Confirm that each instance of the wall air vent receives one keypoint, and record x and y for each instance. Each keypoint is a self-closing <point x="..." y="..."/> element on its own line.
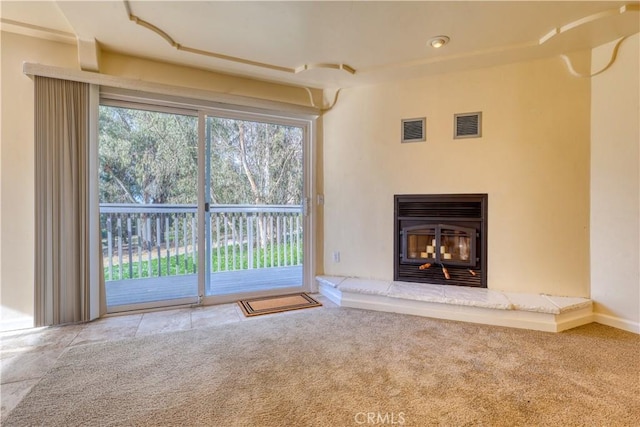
<point x="414" y="130"/>
<point x="468" y="125"/>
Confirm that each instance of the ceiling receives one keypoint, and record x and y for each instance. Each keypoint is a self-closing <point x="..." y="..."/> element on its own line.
<point x="325" y="44"/>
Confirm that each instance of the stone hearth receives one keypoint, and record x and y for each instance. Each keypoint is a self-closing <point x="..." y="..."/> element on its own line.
<point x="478" y="305"/>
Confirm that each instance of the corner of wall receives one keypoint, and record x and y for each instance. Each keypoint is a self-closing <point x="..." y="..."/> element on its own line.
<point x="615" y="187"/>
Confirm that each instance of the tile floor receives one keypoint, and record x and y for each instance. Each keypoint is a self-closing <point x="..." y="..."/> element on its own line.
<point x="26" y="355"/>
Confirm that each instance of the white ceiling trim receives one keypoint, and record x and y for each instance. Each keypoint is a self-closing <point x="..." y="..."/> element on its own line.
<point x="555" y="33"/>
<point x="589" y="19"/>
<point x="268" y="49"/>
<point x="37" y="31"/>
<point x="179" y="46"/>
<point x="614" y="55"/>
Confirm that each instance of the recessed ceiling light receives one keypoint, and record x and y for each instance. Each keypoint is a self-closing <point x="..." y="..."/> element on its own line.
<point x="438" y="41"/>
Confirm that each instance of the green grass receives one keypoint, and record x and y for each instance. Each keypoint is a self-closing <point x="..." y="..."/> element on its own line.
<point x="179" y="265"/>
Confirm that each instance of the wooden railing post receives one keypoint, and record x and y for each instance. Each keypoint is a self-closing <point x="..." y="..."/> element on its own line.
<point x="250" y="242"/>
<point x="119" y="232"/>
<point x="129" y="248"/>
<point x="110" y="247"/>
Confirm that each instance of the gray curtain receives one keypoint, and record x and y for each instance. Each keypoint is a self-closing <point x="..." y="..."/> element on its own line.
<point x="62" y="189"/>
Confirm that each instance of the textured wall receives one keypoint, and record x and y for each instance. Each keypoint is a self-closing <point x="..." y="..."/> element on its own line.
<point x="532" y="160"/>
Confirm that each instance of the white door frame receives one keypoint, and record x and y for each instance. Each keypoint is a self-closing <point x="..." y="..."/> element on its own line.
<point x="308" y="125"/>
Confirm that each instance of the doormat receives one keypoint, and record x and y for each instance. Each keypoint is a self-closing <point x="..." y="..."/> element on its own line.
<point x="276" y="304"/>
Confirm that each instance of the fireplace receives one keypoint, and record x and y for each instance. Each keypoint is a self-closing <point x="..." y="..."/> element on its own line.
<point x="441" y="239"/>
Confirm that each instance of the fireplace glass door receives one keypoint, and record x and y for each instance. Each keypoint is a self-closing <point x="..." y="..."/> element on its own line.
<point x="441" y="243"/>
<point x="420" y="244"/>
<point x="457" y="245"/>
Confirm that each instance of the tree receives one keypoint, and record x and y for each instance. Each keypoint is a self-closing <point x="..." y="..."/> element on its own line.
<point x="147" y="157"/>
<point x="255" y="163"/>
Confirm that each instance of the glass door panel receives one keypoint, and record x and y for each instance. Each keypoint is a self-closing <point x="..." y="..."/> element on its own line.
<point x="148" y="183"/>
<point x="419" y="244"/>
<point x="254" y="191"/>
<point x="457" y="245"/>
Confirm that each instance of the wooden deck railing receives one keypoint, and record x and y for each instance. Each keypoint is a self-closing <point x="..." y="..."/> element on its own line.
<point x="162" y="240"/>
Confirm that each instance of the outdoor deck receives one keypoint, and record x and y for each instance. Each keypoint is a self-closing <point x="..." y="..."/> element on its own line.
<point x="135" y="291"/>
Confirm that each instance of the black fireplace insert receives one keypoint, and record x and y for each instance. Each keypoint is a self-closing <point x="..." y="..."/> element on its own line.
<point x="441" y="239"/>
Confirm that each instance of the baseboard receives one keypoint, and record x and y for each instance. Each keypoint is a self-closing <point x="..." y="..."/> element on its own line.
<point x="617" y="322"/>
<point x="573" y="319"/>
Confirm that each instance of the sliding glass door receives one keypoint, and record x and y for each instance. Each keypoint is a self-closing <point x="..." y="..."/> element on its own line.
<point x="148" y="182"/>
<point x="200" y="207"/>
<point x="254" y="192"/>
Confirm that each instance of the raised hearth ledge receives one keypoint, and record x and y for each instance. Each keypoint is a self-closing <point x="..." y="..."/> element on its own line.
<point x="478" y="305"/>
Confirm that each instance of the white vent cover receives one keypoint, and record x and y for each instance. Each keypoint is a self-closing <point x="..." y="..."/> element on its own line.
<point x="414" y="130"/>
<point x="468" y="125"/>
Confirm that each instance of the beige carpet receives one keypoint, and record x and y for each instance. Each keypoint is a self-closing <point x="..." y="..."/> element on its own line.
<point x="340" y="367"/>
<point x="276" y="304"/>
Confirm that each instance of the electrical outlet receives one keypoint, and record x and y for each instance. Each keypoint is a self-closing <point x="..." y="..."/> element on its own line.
<point x="336" y="256"/>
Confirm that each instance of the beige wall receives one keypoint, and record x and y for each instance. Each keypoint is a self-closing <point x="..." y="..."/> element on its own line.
<point x="615" y="186"/>
<point x="533" y="161"/>
<point x="17" y="170"/>
<point x="17" y="167"/>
